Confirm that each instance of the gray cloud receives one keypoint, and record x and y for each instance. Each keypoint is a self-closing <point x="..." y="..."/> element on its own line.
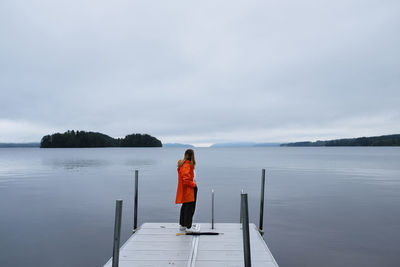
<point x="200" y="72"/>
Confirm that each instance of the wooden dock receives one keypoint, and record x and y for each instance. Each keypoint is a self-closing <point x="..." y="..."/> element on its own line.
<point x="156" y="244"/>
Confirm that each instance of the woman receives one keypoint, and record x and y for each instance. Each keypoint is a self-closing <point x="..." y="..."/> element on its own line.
<point x="187" y="190"/>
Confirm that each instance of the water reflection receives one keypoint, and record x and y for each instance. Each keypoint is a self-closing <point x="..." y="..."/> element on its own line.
<point x="140" y="162"/>
<point x="76" y="164"/>
<point x="11" y="169"/>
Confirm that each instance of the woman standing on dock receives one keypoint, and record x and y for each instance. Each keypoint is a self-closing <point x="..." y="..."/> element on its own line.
<point x="187" y="189"/>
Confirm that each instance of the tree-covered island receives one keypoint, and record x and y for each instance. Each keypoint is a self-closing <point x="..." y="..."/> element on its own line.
<point x="73" y="138"/>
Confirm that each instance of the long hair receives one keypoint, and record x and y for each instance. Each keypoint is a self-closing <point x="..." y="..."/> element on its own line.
<point x="189" y="155"/>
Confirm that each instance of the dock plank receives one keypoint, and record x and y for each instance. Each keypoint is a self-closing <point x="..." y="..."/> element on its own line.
<point x="156" y="244"/>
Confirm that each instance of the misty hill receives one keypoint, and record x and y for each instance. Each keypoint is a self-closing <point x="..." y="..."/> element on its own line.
<point x="384" y="140"/>
<point x="4" y="145"/>
<point x="93" y="139"/>
<point x="177" y="145"/>
<point x="244" y="144"/>
<point x="267" y="144"/>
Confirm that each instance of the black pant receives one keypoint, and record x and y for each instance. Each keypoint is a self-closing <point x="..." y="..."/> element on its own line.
<point x="187" y="211"/>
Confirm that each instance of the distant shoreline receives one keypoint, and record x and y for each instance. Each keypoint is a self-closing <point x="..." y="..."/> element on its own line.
<point x="383" y="140"/>
<point x="15" y="145"/>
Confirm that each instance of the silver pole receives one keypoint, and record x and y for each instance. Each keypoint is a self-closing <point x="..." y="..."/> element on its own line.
<point x="212" y="209"/>
<point x="245" y="229"/>
<point x="135" y="209"/>
<point x="262" y="202"/>
<point x="117" y="232"/>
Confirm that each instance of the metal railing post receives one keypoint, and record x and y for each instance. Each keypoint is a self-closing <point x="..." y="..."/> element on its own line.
<point x="135" y="209"/>
<point x="117" y="232"/>
<point x="241" y="193"/>
<point x="260" y="228"/>
<point x="212" y="209"/>
<point x="245" y="229"/>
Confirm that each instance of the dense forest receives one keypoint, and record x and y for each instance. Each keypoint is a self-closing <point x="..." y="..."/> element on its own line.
<point x="384" y="140"/>
<point x="93" y="139"/>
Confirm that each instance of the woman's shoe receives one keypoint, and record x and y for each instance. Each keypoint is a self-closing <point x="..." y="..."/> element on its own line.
<point x="182" y="228"/>
<point x="192" y="229"/>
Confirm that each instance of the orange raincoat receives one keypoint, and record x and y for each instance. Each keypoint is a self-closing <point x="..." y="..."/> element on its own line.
<point x="185" y="192"/>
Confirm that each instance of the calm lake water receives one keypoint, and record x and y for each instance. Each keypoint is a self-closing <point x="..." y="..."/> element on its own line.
<point x="324" y="206"/>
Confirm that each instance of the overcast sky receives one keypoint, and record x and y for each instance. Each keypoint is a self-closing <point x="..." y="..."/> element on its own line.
<point x="200" y="72"/>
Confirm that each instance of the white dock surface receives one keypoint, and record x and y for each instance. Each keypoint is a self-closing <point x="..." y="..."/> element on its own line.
<point x="156" y="244"/>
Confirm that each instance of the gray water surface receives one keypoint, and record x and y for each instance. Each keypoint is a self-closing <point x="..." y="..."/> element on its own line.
<point x="324" y="206"/>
